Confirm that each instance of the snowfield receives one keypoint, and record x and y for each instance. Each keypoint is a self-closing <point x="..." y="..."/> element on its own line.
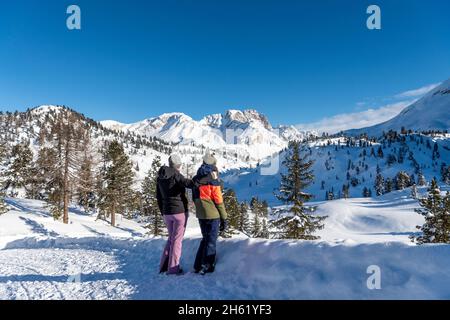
<point x="88" y="259"/>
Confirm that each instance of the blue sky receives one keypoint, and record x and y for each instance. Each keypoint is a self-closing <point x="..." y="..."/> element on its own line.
<point x="296" y="61"/>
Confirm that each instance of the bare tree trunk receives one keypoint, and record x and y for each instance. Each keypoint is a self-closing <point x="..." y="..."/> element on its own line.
<point x="113" y="215"/>
<point x="66" y="186"/>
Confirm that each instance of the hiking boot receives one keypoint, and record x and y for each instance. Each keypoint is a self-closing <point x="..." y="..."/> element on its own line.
<point x="178" y="273"/>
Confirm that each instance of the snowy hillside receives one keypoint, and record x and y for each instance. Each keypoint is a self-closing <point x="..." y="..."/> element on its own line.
<point x="44" y="259"/>
<point x="337" y="161"/>
<point x="429" y="113"/>
<point x="30" y="127"/>
<point x="247" y="133"/>
<point x="352" y="162"/>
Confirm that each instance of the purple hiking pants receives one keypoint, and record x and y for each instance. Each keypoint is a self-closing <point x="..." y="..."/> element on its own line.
<point x="176" y="225"/>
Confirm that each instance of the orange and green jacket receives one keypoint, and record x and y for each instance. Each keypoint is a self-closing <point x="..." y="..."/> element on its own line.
<point x="207" y="194"/>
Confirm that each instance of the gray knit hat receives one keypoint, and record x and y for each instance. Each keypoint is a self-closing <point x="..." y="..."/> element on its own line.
<point x="209" y="158"/>
<point x="175" y="161"/>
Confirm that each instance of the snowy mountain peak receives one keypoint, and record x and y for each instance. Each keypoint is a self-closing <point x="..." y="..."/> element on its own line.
<point x="428" y="113"/>
<point x="233" y="118"/>
<point x="289" y="133"/>
<point x="213" y="120"/>
<point x="112" y="124"/>
<point x="165" y="121"/>
<point x="46" y="108"/>
<point x="442" y="90"/>
<point x="171" y="116"/>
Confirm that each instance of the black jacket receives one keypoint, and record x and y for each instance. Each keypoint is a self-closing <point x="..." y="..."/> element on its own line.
<point x="171" y="191"/>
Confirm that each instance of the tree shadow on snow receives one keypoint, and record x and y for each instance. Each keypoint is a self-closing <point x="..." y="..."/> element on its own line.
<point x="78" y="211"/>
<point x="38" y="227"/>
<point x="96" y="232"/>
<point x="20" y="207"/>
<point x="387" y="204"/>
<point x="60" y="278"/>
<point x="131" y="231"/>
<point x="393" y="233"/>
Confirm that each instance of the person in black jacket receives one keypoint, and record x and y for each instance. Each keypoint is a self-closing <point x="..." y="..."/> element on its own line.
<point x="173" y="204"/>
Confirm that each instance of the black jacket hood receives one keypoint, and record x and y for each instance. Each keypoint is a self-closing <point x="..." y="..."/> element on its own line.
<point x="170" y="191"/>
<point x="166" y="172"/>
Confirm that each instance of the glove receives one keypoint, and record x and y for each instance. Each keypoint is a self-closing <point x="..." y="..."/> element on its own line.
<point x="223" y="225"/>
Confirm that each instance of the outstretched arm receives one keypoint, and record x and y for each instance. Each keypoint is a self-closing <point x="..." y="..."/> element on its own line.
<point x="181" y="180"/>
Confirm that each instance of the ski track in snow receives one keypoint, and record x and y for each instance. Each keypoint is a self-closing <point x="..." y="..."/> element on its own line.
<point x="39" y="257"/>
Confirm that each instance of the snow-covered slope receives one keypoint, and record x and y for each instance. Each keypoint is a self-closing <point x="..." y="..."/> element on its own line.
<point x="247" y="133"/>
<point x="432" y="112"/>
<point x="88" y="259"/>
<point x="390" y="217"/>
<point x="337" y="163"/>
<point x="26" y="127"/>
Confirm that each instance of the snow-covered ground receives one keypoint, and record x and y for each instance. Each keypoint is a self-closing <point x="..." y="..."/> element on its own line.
<point x="44" y="259"/>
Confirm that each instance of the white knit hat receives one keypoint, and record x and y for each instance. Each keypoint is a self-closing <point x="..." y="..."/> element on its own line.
<point x="209" y="158"/>
<point x="175" y="161"/>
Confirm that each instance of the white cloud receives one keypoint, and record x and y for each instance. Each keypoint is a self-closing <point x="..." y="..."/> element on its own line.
<point x="356" y="120"/>
<point x="417" y="92"/>
<point x="370" y="117"/>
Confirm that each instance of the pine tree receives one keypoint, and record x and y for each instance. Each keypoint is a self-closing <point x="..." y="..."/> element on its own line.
<point x="260" y="208"/>
<point x="264" y="209"/>
<point x="255" y="205"/>
<point x="379" y="184"/>
<point x="445" y="173"/>
<point x="391" y="159"/>
<point x="367" y="192"/>
<point x="378" y="169"/>
<point x="150" y="207"/>
<point x="118" y="177"/>
<point x="3" y="206"/>
<point x="233" y="210"/>
<point x="56" y="194"/>
<point x="299" y="224"/>
<point x="421" y="180"/>
<point x="256" y="226"/>
<point x="345" y="191"/>
<point x="402" y="180"/>
<point x="67" y="137"/>
<point x="330" y="195"/>
<point x="34" y="180"/>
<point x="19" y="168"/>
<point x="380" y="153"/>
<point x="46" y="172"/>
<point x="85" y="189"/>
<point x="436" y="211"/>
<point x="388" y="185"/>
<point x="244" y="222"/>
<point x="265" y="233"/>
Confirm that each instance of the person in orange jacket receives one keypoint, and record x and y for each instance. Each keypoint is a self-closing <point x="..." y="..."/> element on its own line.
<point x="210" y="211"/>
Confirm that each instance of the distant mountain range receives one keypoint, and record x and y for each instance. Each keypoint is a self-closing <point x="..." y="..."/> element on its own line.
<point x="252" y="131"/>
<point x="247" y="130"/>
